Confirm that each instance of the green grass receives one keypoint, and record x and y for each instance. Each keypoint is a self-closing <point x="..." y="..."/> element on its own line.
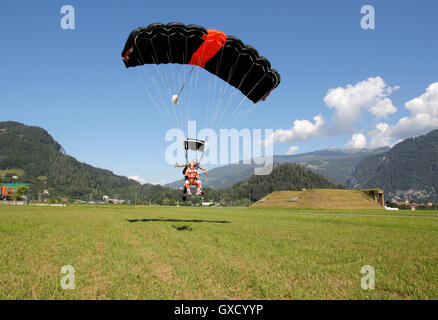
<point x="213" y="253"/>
<point x="3" y="173"/>
<point x="364" y="212"/>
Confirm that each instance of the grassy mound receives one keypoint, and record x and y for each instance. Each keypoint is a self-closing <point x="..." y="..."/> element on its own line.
<point x="318" y="199"/>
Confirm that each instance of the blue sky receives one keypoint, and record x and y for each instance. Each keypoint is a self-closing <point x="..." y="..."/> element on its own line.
<point x="376" y="85"/>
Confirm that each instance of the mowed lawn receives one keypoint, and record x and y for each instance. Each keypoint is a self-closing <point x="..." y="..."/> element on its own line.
<point x="213" y="253"/>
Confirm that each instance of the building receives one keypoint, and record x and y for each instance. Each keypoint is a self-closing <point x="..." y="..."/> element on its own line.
<point x="377" y="195"/>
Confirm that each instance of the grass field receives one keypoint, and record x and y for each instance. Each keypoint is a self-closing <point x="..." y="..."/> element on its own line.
<point x="214" y="253"/>
<point x="3" y="173"/>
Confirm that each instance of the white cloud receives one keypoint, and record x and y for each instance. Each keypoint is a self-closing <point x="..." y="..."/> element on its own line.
<point x="423" y="118"/>
<point x="358" y="141"/>
<point x="381" y="136"/>
<point x="382" y="108"/>
<point x="138" y="179"/>
<point x="371" y="95"/>
<point x="292" y="150"/>
<point x="424" y="114"/>
<point x="426" y="103"/>
<point x="300" y="131"/>
<point x="349" y="103"/>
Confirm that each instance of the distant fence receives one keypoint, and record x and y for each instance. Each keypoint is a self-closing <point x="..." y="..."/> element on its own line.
<point x="14" y="203"/>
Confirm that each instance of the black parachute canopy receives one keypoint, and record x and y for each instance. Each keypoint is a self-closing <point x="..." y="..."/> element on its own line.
<point x="224" y="56"/>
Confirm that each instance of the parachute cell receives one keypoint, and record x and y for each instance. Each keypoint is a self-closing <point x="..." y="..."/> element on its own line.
<point x="224" y="56"/>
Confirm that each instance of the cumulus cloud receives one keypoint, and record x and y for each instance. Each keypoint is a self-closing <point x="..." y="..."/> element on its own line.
<point x="292" y="150"/>
<point x="358" y="141"/>
<point x="380" y="136"/>
<point x="423" y="118"/>
<point x="138" y="179"/>
<point x="424" y="114"/>
<point x="372" y="96"/>
<point x="382" y="108"/>
<point x="349" y="103"/>
<point x="300" y="131"/>
<point x="426" y="103"/>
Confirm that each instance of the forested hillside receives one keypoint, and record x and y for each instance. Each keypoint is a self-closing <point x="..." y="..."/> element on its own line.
<point x="408" y="170"/>
<point x="32" y="154"/>
<point x="286" y="176"/>
<point x="36" y="158"/>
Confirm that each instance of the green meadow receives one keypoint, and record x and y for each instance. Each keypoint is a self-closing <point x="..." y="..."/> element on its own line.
<point x="135" y="252"/>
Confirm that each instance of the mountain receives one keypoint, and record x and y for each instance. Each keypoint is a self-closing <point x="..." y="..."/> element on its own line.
<point x="335" y="164"/>
<point x="32" y="154"/>
<point x="408" y="170"/>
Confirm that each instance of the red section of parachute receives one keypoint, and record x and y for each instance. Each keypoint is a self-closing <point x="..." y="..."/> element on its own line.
<point x="127" y="53"/>
<point x="213" y="42"/>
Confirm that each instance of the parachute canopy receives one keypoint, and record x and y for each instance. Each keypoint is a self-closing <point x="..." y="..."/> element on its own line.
<point x="224" y="56"/>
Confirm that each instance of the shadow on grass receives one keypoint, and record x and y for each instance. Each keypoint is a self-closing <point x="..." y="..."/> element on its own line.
<point x="177" y="220"/>
<point x="182" y="228"/>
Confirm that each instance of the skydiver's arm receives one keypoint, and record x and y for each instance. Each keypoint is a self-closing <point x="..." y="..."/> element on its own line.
<point x="179" y="165"/>
<point x="203" y="169"/>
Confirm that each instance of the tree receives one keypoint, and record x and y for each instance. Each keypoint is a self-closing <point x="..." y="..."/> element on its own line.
<point x="19" y="192"/>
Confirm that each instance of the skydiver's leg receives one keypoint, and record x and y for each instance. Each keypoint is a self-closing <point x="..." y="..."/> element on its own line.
<point x="184" y="196"/>
<point x="199" y="186"/>
<point x="187" y="183"/>
<point x="185" y="188"/>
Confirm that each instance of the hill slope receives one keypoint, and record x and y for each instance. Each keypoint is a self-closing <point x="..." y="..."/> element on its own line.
<point x="40" y="160"/>
<point x="409" y="169"/>
<point x="317" y="199"/>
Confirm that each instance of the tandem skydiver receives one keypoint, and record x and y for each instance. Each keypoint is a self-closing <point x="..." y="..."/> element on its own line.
<point x="191" y="177"/>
